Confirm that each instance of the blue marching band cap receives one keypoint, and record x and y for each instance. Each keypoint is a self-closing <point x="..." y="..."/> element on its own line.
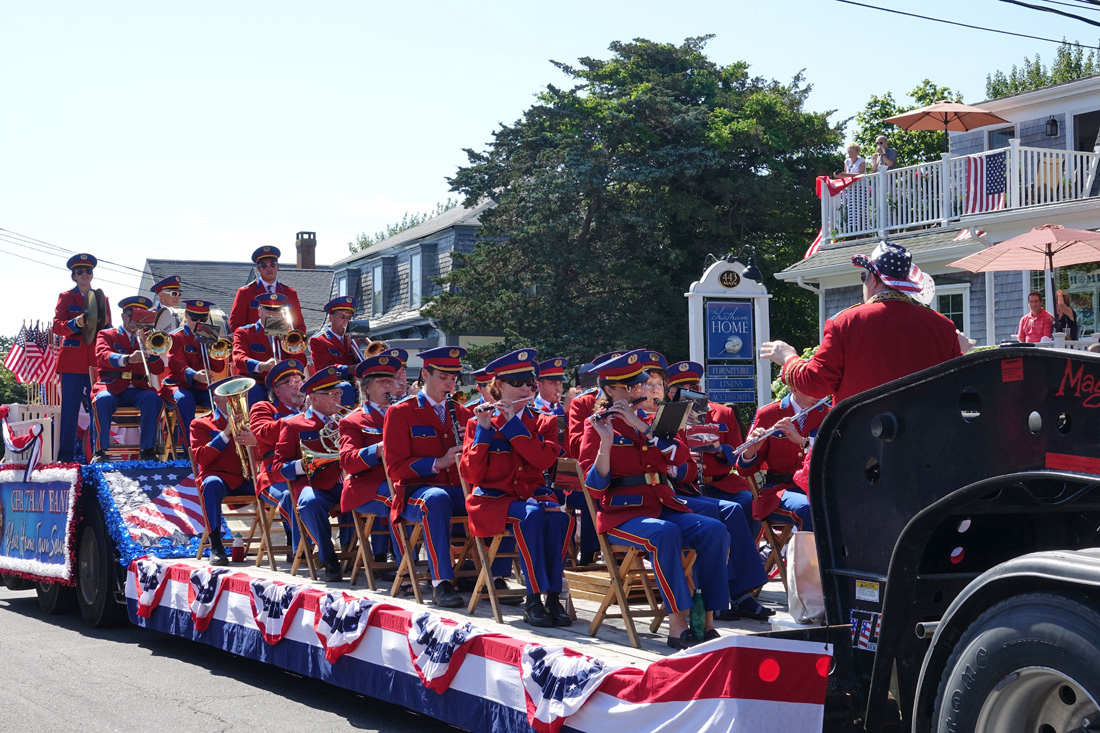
<point x="285" y="368"/>
<point x="198" y="307"/>
<point x="81" y="260"/>
<point x="135" y="301"/>
<point x="344" y="302"/>
<point x="271" y="300"/>
<point x="444" y="358"/>
<point x="399" y="354"/>
<point x="684" y="372"/>
<point x="265" y="253"/>
<point x="328" y="378"/>
<point x="169" y="283"/>
<point x="654" y="360"/>
<point x="381" y="365"/>
<point x="625" y="369"/>
<point x="553" y="369"/>
<point x="519" y="364"/>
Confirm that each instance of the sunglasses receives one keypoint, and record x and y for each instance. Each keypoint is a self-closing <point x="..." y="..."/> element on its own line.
<point x="266" y="265"/>
<point x="519" y="382"/>
<point x="82" y="271"/>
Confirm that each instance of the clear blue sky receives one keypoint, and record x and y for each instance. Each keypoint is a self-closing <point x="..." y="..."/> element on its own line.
<point x="201" y="131"/>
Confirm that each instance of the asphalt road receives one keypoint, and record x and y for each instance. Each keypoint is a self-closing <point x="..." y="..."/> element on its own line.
<point x="57" y="674"/>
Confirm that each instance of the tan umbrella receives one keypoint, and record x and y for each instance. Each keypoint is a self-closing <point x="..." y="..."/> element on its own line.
<point x="944" y="115"/>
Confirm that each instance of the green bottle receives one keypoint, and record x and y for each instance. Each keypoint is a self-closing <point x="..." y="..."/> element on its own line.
<point x="698" y="615"/>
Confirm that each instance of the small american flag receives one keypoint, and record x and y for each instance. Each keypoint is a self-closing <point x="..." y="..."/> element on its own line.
<point x="47" y="365"/>
<point x="815" y="245"/>
<point x="16" y="361"/>
<point x="985" y="183"/>
<point x="157" y="503"/>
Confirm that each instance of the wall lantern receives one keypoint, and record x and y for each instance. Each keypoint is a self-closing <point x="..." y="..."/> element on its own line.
<point x="1052" y="127"/>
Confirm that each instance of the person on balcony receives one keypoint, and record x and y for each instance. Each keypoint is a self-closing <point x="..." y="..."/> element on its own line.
<point x="1037" y="324"/>
<point x="855" y="164"/>
<point x="885" y="157"/>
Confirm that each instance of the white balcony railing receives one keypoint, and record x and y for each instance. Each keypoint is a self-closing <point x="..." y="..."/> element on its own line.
<point x="955" y="188"/>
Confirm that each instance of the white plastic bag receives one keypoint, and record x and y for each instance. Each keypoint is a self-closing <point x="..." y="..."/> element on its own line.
<point x="807" y="602"/>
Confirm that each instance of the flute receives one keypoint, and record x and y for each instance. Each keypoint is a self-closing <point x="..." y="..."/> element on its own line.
<point x="774" y="429"/>
<point x="492" y="406"/>
<point x="601" y="414"/>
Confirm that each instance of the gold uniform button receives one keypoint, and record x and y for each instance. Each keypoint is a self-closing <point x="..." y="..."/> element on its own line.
<point x="645" y="447"/>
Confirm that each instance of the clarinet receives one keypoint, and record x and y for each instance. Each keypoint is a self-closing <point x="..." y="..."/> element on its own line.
<point x="391" y="399"/>
<point x="454" y="419"/>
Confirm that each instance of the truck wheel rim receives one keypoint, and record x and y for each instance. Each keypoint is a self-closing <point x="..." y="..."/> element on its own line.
<point x="1037" y="699"/>
<point x="88" y="568"/>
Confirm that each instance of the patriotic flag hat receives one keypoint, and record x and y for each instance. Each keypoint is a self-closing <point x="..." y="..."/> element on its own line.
<point x="265" y="253"/>
<point x="325" y="379"/>
<point x="653" y="360"/>
<point x="377" y="366"/>
<point x="553" y="369"/>
<point x="400" y="354"/>
<point x="271" y="300"/>
<point x="444" y="358"/>
<point x="168" y="283"/>
<point x="197" y="307"/>
<point x="282" y="370"/>
<point x="482" y="377"/>
<point x="135" y="301"/>
<point x="81" y="260"/>
<point x="684" y="372"/>
<point x="625" y="369"/>
<point x="894" y="266"/>
<point x="344" y="302"/>
<point x="519" y="364"/>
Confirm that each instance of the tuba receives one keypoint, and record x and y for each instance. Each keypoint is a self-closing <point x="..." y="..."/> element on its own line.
<point x="235" y="391"/>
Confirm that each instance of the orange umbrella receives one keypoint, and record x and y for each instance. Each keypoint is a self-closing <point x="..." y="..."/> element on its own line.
<point x="944" y="115"/>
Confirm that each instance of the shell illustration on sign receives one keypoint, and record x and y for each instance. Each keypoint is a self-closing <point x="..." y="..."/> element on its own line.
<point x="734" y="344"/>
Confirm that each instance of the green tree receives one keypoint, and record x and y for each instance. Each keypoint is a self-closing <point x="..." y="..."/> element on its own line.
<point x="612" y="193"/>
<point x="913" y="146"/>
<point x="1070" y="62"/>
<point x="408" y="221"/>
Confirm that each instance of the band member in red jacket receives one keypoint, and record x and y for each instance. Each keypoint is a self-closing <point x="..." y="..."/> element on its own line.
<point x="365" y="488"/>
<point x="508" y="448"/>
<point x="400" y="378"/>
<point x="244" y="311"/>
<point x="254" y="353"/>
<point x="551" y="380"/>
<point x="887" y="337"/>
<point x="76" y="359"/>
<point x="782" y="455"/>
<point x="317" y="483"/>
<point x="626" y="470"/>
<point x="285" y="399"/>
<point x="123" y="381"/>
<point x="482" y="380"/>
<point x="332" y="347"/>
<point x="214" y="451"/>
<point x="422" y="440"/>
<point x="190" y="381"/>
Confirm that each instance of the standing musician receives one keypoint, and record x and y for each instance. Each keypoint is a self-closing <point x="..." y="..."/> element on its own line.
<point x="625" y="469"/>
<point x="285" y="399"/>
<point x="185" y="362"/>
<point x="253" y="352"/>
<point x="317" y="486"/>
<point x="167" y="294"/>
<point x="365" y="488"/>
<point x="422" y="440"/>
<point x="551" y="375"/>
<point x="333" y="348"/>
<point x="123" y="381"/>
<point x="781" y="455"/>
<point x="77" y="358"/>
<point x="509" y="446"/>
<point x="245" y="302"/>
<point x="218" y="463"/>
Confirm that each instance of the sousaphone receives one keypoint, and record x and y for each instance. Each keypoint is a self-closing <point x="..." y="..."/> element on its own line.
<point x="95" y="315"/>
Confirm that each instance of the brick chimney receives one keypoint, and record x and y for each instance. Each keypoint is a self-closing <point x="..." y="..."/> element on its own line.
<point x="306" y="245"/>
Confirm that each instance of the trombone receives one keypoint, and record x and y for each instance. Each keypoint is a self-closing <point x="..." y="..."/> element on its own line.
<point x="157" y="343"/>
<point x="235" y="392"/>
<point x="211" y="346"/>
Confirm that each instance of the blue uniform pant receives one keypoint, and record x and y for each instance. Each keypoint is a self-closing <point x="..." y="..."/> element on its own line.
<point x="380" y="543"/>
<point x="147" y="401"/>
<point x="665" y="538"/>
<point x="541" y="533"/>
<point x="743" y="498"/>
<point x="280" y="495"/>
<point x="214" y="489"/>
<point x="794" y="508"/>
<point x="75" y="391"/>
<point x="314" y="506"/>
<point x="744" y="570"/>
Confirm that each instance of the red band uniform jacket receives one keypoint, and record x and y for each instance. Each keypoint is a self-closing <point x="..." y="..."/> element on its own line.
<point x="245" y="310"/>
<point x="75" y="357"/>
<point x="360" y="443"/>
<point x="506" y="463"/>
<point x="581" y="408"/>
<point x="327" y="349"/>
<point x="414" y="437"/>
<point x="185" y="359"/>
<point x="214" y="451"/>
<point x="264" y="421"/>
<point x="112" y="347"/>
<point x="251" y="345"/>
<point x="304" y="428"/>
<point x="719" y="467"/>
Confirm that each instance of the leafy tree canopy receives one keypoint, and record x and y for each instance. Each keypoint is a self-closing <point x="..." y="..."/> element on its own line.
<point x="408" y="221"/>
<point x="913" y="146"/>
<point x="611" y="193"/>
<point x="1070" y="62"/>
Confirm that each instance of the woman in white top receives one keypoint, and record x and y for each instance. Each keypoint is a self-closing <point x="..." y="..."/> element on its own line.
<point x="855" y="164"/>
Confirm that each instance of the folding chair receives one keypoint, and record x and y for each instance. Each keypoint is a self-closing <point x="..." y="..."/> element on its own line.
<point x="130" y="417"/>
<point x="367" y="526"/>
<point x="485" y="559"/>
<point x="244" y="509"/>
<point x="345" y="555"/>
<point x="268" y="515"/>
<point x="775" y="541"/>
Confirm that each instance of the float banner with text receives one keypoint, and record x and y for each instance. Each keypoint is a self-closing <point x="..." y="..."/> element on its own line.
<point x="36" y="517"/>
<point x="729" y="330"/>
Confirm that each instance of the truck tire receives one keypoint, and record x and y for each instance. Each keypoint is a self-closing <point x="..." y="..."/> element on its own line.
<point x="95" y="575"/>
<point x="55" y="598"/>
<point x="1027" y="663"/>
<point x="14" y="582"/>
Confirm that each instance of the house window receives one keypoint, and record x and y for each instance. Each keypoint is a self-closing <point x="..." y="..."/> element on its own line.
<point x="376" y="290"/>
<point x="342" y="284"/>
<point x="415" y="280"/>
<point x="953" y="301"/>
<point x="999" y="138"/>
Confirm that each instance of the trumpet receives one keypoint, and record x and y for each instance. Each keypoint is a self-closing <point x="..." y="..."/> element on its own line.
<point x="236" y="393"/>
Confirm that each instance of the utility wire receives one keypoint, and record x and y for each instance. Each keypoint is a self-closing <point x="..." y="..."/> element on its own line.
<point x="1042" y="9"/>
<point x="1077" y="5"/>
<point x="965" y="25"/>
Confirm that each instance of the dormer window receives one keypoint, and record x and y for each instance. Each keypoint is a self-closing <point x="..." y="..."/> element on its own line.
<point x="376" y="290"/>
<point x="415" y="280"/>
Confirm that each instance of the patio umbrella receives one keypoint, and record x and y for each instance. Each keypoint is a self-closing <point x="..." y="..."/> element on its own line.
<point x="944" y="115"/>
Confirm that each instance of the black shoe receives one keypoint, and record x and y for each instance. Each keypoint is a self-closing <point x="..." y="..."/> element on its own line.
<point x="685" y="640"/>
<point x="218" y="556"/>
<point x="100" y="456"/>
<point x="587" y="558"/>
<point x="289" y="558"/>
<point x="557" y="612"/>
<point x="712" y="635"/>
<point x="502" y="585"/>
<point x="380" y="557"/>
<point x="332" y="571"/>
<point x="465" y="584"/>
<point x="727" y="614"/>
<point x="444" y="595"/>
<point x="749" y="608"/>
<point x="148" y="454"/>
<point x="536" y="614"/>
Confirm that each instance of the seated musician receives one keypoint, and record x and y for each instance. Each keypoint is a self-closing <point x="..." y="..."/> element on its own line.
<point x="365" y="488"/>
<point x="123" y="381"/>
<point x="77" y="359"/>
<point x="316" y="481"/>
<point x="551" y="380"/>
<point x="246" y="301"/>
<point x="254" y="350"/>
<point x="626" y="471"/>
<point x="482" y="380"/>
<point x="508" y="447"/>
<point x="185" y="362"/>
<point x="421" y="439"/>
<point x="220" y="468"/>
<point x="332" y="347"/>
<point x="400" y="378"/>
<point x="285" y="398"/>
<point x="167" y="294"/>
<point x="781" y="455"/>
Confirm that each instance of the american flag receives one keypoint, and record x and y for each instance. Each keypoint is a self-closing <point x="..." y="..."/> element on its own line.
<point x="985" y="182"/>
<point x="47" y="347"/>
<point x="16" y="361"/>
<point x="815" y="245"/>
<point x="157" y="503"/>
